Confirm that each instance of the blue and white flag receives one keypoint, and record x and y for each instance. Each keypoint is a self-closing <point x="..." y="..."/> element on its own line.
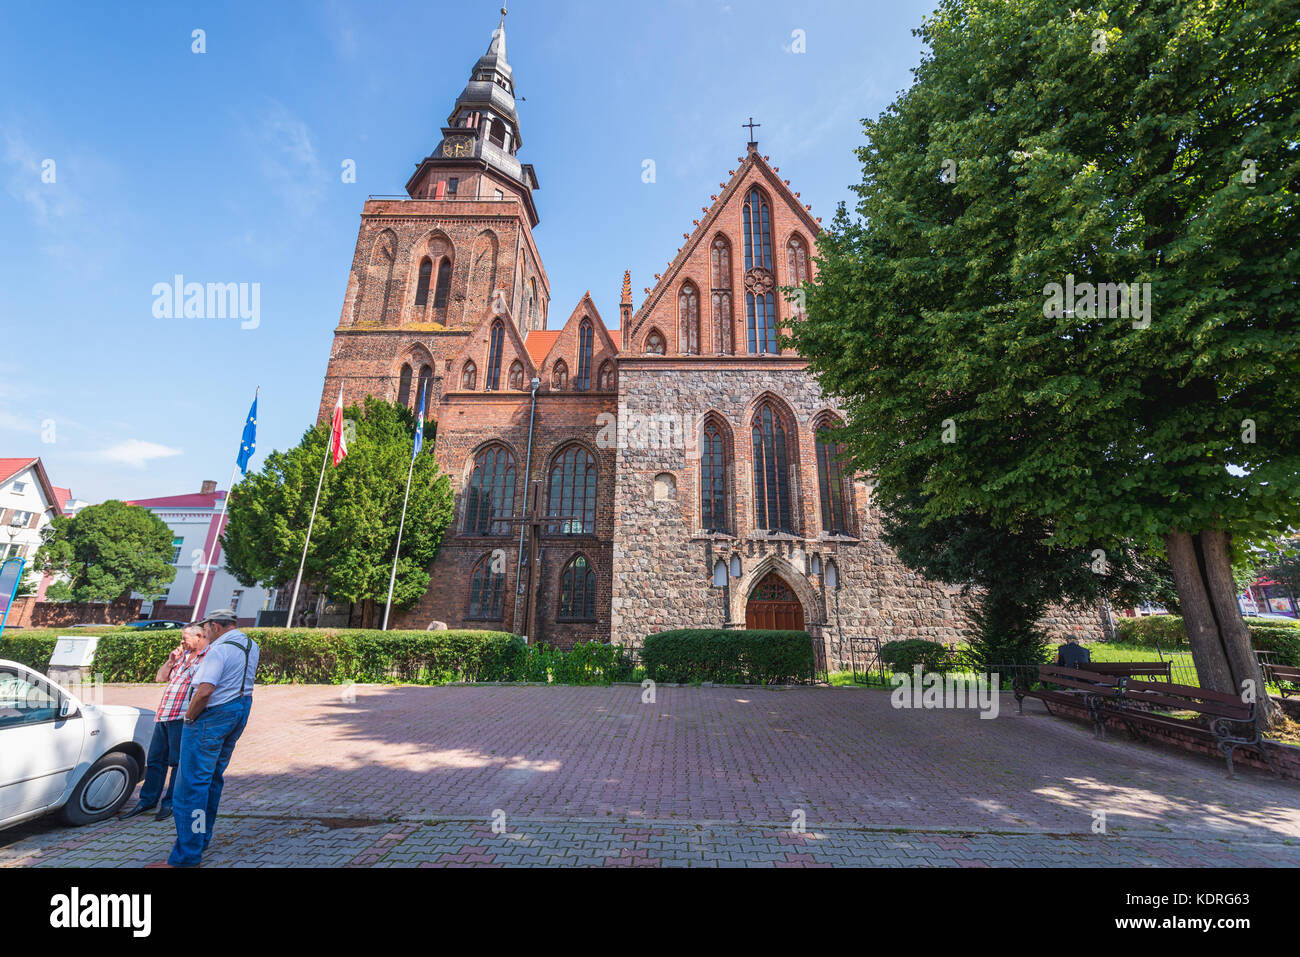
<point x="419" y="428"/>
<point x="248" y="444"/>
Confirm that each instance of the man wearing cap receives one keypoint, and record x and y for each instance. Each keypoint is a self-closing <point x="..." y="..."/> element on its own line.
<point x="221" y="696"/>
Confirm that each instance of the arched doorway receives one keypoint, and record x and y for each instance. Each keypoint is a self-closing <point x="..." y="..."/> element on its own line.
<point x="773" y="605"/>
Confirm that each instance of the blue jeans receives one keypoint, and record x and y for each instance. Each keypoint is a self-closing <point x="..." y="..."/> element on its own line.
<point x="206" y="747"/>
<point x="164" y="752"/>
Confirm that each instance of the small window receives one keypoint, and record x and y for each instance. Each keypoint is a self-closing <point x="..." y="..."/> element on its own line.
<point x="560" y="376"/>
<point x="452" y="185"/>
<point x="422" y="287"/>
<point x="20" y="487"/>
<point x="176" y="550"/>
<point x="444" y="284"/>
<point x="654" y="343"/>
<point x="235" y="597"/>
<point x="577" y="591"/>
<point x="517" y="376"/>
<point x="21" y="518"/>
<point x="469" y="377"/>
<point x="500" y="195"/>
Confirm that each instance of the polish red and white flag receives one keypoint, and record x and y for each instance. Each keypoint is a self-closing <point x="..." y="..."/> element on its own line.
<point x="338" y="444"/>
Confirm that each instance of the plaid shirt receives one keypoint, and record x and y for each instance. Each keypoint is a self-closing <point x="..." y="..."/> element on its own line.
<point x="172" y="707"/>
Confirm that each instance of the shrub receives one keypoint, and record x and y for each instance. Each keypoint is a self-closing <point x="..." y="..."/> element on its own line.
<point x="332" y="656"/>
<point x="728" y="656"/>
<point x="588" y="663"/>
<point x="904" y="655"/>
<point x="1269" y="634"/>
<point x="1167" y="631"/>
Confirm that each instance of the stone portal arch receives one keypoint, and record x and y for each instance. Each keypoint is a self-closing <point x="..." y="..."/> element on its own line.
<point x="742" y="591"/>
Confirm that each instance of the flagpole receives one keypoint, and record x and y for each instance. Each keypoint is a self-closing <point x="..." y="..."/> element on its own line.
<point x="200" y="606"/>
<point x="293" y="602"/>
<point x="392" y="579"/>
<point x="200" y="603"/>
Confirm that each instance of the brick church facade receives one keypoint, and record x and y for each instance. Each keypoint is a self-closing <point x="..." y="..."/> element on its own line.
<point x="682" y="458"/>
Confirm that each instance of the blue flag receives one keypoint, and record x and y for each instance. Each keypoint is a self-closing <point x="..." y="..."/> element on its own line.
<point x="248" y="444"/>
<point x="419" y="428"/>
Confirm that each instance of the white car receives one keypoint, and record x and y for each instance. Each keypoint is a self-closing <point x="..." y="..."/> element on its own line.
<point x="58" y="753"/>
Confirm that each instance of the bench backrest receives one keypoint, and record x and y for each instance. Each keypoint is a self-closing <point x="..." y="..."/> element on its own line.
<point x="1076" y="678"/>
<point x="1161" y="668"/>
<point x="1283" y="671"/>
<point x="1217" y="704"/>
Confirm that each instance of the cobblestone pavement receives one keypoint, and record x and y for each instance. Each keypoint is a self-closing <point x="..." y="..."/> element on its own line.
<point x="407" y="776"/>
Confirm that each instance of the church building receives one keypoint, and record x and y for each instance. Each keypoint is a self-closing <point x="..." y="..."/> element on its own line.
<point x="673" y="472"/>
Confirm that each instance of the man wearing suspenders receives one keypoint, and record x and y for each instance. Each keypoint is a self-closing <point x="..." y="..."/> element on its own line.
<point x="221" y="696"/>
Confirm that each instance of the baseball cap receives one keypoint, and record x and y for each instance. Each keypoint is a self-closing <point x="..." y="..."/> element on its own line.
<point x="224" y="615"/>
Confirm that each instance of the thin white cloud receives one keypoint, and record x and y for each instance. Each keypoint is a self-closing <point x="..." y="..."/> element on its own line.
<point x="289" y="160"/>
<point x="47" y="203"/>
<point x="135" y="453"/>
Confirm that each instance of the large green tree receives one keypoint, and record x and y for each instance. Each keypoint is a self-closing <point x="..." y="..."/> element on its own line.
<point x="351" y="552"/>
<point x="106" y="552"/>
<point x="1043" y="146"/>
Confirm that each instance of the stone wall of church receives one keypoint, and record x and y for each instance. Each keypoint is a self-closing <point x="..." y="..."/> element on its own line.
<point x="663" y="562"/>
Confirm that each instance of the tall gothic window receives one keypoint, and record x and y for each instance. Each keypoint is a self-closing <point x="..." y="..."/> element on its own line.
<point x="688" y="315"/>
<point x="760" y="299"/>
<point x="654" y="343"/>
<point x="713" y="480"/>
<point x="469" y="376"/>
<point x="573" y="492"/>
<point x="426" y="380"/>
<point x="758" y="231"/>
<point x="487" y="588"/>
<point x="422" y="287"/>
<point x="516" y="380"/>
<point x="404" y="386"/>
<point x="577" y="591"/>
<point x="830" y="480"/>
<point x="606" y="381"/>
<point x="559" y="376"/>
<point x="444" y="284"/>
<point x="583" y="382"/>
<point x="493" y="381"/>
<point x="533" y="304"/>
<point x="491" y="492"/>
<point x="771" y="472"/>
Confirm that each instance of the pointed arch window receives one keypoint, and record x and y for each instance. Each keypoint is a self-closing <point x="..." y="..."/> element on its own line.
<point x="606" y="381"/>
<point x="573" y="492"/>
<point x="830" y="480"/>
<point x="469" y="376"/>
<point x="490" y="495"/>
<point x="797" y="256"/>
<point x="426" y="380"/>
<point x="654" y="343"/>
<point x="493" y="381"/>
<point x="583" y="382"/>
<point x="422" y="287"/>
<point x="559" y="376"/>
<point x="688" y="315"/>
<point x="487" y="588"/>
<point x="516" y="380"/>
<point x="720" y="261"/>
<point x="533" y="302"/>
<point x="443" y="289"/>
<point x="771" y="472"/>
<point x="758" y="231"/>
<point x="577" y="591"/>
<point x="404" y="386"/>
<point x="713" y="480"/>
<point x="720" y="298"/>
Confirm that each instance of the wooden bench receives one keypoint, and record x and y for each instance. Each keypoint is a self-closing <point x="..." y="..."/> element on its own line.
<point x="1075" y="687"/>
<point x="1234" y="723"/>
<point x="1131" y="669"/>
<point x="1284" y="673"/>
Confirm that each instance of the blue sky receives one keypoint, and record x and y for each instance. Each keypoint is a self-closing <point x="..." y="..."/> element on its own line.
<point x="225" y="167"/>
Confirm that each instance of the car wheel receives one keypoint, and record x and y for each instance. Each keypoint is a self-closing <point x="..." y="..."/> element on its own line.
<point x="102" y="790"/>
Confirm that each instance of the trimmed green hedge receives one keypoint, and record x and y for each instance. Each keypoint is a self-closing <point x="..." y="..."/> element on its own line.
<point x="1269" y="634"/>
<point x="902" y="656"/>
<point x="728" y="656"/>
<point x="332" y="656"/>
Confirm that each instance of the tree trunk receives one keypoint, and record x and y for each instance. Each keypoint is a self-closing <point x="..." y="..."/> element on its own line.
<point x="368" y="613"/>
<point x="1216" y="632"/>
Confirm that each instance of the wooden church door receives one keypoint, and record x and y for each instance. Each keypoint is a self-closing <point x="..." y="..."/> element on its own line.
<point x="773" y="606"/>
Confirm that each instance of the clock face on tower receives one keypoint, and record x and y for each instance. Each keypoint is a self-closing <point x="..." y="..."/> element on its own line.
<point x="458" y="146"/>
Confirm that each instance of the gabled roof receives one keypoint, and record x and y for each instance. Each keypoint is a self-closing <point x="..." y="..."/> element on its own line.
<point x="539" y="343"/>
<point x="189" y="500"/>
<point x="500" y="310"/>
<point x="63" y="495"/>
<point x="707" y="226"/>
<point x="11" y="467"/>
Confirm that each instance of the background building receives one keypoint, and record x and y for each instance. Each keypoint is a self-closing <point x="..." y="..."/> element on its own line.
<point x="193" y="519"/>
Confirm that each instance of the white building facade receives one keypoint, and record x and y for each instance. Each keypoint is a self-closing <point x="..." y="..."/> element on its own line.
<point x="196" y="523"/>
